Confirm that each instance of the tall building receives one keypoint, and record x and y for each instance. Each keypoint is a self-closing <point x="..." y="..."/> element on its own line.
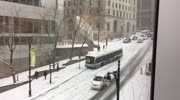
<point x="25" y="20"/>
<point x="145" y="14"/>
<point x="120" y="19"/>
<point x="115" y="18"/>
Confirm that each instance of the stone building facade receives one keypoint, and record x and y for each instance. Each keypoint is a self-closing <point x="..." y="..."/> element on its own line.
<point x="116" y="18"/>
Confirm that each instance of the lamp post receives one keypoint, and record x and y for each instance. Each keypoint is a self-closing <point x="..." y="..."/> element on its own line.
<point x="30" y="68"/>
<point x="32" y="61"/>
<point x="116" y="74"/>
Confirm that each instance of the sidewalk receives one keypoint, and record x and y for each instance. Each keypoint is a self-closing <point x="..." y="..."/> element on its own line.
<point x="23" y="76"/>
<point x="15" y="85"/>
<point x="40" y="85"/>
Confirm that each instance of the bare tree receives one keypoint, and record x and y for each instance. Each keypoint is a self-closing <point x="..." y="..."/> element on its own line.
<point x="54" y="29"/>
<point x="78" y="10"/>
<point x="87" y="32"/>
<point x="11" y="38"/>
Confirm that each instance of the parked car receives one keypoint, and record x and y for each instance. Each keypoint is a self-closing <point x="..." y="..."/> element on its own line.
<point x="127" y="40"/>
<point x="140" y="41"/>
<point x="143" y="35"/>
<point x="134" y="38"/>
<point x="100" y="80"/>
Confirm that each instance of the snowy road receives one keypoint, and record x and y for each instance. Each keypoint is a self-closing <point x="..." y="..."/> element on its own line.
<point x="79" y="87"/>
<point x="128" y="73"/>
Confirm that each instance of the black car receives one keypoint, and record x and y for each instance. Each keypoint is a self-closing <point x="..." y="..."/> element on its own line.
<point x="140" y="41"/>
<point x="134" y="38"/>
<point x="127" y="40"/>
<point x="143" y="35"/>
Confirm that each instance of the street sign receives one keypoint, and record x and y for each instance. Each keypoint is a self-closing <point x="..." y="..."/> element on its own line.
<point x="33" y="58"/>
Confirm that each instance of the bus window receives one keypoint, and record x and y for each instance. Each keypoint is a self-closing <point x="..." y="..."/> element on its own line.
<point x="89" y="60"/>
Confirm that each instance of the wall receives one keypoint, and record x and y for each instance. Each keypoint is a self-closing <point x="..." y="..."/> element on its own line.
<point x="167" y="81"/>
<point x="65" y="52"/>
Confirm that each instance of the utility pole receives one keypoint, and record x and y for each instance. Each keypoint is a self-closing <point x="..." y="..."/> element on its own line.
<point x="116" y="74"/>
<point x="118" y="79"/>
<point x="98" y="36"/>
<point x="30" y="94"/>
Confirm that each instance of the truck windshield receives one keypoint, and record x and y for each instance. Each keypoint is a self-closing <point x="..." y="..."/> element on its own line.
<point x="89" y="60"/>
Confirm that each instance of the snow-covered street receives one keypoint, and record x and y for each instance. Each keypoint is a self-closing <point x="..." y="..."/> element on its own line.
<point x="73" y="83"/>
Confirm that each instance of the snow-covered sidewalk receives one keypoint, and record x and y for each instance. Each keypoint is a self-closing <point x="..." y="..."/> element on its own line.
<point x="138" y="88"/>
<point x="23" y="76"/>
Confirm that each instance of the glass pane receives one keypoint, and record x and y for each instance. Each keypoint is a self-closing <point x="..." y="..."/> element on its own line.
<point x="78" y="45"/>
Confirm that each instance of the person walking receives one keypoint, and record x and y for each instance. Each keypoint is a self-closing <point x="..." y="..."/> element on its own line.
<point x="58" y="67"/>
<point x="36" y="74"/>
<point x="45" y="74"/>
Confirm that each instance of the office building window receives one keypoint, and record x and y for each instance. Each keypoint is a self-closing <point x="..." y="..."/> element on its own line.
<point x="30" y="2"/>
<point x="16" y="1"/>
<point x="7" y="24"/>
<point x="108" y="26"/>
<point x="69" y="3"/>
<point x="113" y="5"/>
<point x="22" y="25"/>
<point x="109" y="13"/>
<point x="119" y="6"/>
<point x="23" y="1"/>
<point x="2" y="23"/>
<point x="16" y="25"/>
<point x="64" y="3"/>
<point x="2" y="41"/>
<point x="29" y="25"/>
<point x="37" y="26"/>
<point x="37" y="2"/>
<point x="82" y="2"/>
<point x="109" y="3"/>
<point x="90" y="2"/>
<point x="115" y="25"/>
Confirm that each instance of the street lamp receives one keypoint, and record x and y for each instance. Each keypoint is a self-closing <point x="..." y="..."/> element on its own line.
<point x="116" y="75"/>
<point x="30" y="67"/>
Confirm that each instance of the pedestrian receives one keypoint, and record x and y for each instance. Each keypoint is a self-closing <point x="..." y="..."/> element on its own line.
<point x="103" y="47"/>
<point x="99" y="48"/>
<point x="36" y="74"/>
<point x="57" y="67"/>
<point x="45" y="74"/>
